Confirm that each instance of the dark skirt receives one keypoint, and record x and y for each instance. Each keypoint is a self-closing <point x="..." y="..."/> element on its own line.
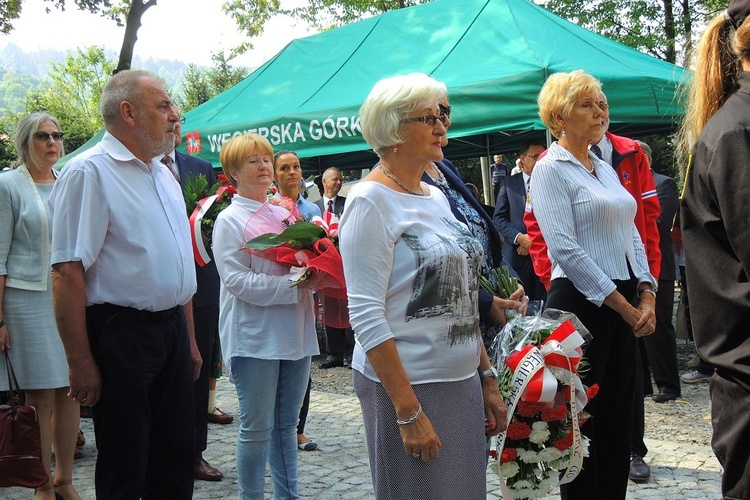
<point x="456" y="410"/>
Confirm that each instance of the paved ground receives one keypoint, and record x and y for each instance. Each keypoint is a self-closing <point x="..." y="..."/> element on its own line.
<point x="678" y="434"/>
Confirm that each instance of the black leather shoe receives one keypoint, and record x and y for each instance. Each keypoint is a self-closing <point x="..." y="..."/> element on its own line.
<point x="665" y="396"/>
<point x="639" y="470"/>
<point x="332" y="362"/>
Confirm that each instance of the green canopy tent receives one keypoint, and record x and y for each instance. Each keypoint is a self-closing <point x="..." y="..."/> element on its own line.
<point x="494" y="56"/>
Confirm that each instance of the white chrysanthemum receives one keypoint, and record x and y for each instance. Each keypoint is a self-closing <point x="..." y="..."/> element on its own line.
<point x="528" y="456"/>
<point x="508" y="469"/>
<point x="539" y="432"/>
<point x="550" y="454"/>
<point x="523" y="485"/>
<point x="548" y="484"/>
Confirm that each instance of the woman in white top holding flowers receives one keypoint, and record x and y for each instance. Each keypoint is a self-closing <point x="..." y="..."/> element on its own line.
<point x="412" y="279"/>
<point x="267" y="328"/>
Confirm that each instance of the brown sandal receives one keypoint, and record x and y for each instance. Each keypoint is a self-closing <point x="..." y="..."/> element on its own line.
<point x="63" y="484"/>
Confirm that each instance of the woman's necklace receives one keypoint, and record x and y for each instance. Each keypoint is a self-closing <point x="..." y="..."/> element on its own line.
<point x="395" y="179"/>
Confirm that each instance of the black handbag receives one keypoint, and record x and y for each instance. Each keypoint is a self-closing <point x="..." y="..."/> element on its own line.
<point x="20" y="443"/>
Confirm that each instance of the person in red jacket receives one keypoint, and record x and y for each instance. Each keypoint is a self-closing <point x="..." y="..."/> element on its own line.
<point x="627" y="158"/>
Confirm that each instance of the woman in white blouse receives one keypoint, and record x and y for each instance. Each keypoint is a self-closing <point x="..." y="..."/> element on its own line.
<point x="412" y="278"/>
<point x="267" y="328"/>
<point x="599" y="269"/>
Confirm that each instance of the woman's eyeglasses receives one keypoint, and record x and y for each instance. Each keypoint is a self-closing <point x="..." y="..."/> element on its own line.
<point x="429" y="120"/>
<point x="535" y="157"/>
<point x="44" y="136"/>
<point x="444" y="110"/>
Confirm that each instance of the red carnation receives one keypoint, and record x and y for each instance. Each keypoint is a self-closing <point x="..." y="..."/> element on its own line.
<point x="564" y="443"/>
<point x="518" y="430"/>
<point x="492" y="454"/>
<point x="222" y="178"/>
<point x="555" y="414"/>
<point x="592" y="391"/>
<point x="508" y="455"/>
<point x="526" y="409"/>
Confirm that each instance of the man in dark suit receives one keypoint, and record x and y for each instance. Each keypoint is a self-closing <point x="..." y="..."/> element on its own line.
<point x="330" y="201"/>
<point x="339" y="341"/>
<point x="508" y="218"/>
<point x="205" y="310"/>
<point x="658" y="351"/>
<point x="661" y="347"/>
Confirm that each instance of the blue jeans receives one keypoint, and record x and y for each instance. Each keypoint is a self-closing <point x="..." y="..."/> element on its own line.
<point x="270" y="393"/>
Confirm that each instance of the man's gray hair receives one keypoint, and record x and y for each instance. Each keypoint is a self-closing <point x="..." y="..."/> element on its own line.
<point x="124" y="86"/>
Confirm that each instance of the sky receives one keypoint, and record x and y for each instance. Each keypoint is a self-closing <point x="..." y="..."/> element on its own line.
<point x="183" y="30"/>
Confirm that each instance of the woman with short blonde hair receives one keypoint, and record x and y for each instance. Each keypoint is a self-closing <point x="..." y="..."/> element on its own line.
<point x="599" y="268"/>
<point x="267" y="327"/>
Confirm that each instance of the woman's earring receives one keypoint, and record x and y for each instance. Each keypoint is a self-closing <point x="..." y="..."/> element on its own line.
<point x="395" y="149"/>
<point x="563" y="133"/>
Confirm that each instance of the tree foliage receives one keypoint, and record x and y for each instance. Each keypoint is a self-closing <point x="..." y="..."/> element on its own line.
<point x="200" y="85"/>
<point x="251" y="15"/>
<point x="127" y="13"/>
<point x="9" y="12"/>
<point x="665" y="29"/>
<point x="73" y="93"/>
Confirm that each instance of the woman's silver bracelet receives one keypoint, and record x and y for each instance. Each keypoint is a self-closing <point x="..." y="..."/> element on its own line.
<point x="411" y="419"/>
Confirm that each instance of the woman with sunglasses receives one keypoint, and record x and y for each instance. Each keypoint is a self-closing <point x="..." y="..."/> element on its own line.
<point x="27" y="326"/>
<point x="421" y="372"/>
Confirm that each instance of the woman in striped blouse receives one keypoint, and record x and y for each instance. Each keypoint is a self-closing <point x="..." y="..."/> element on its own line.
<point x="599" y="267"/>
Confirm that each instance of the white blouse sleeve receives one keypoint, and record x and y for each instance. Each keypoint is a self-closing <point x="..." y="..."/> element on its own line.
<point x="367" y="249"/>
<point x="236" y="269"/>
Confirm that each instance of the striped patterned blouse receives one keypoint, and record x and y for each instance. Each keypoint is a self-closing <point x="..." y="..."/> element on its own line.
<point x="587" y="223"/>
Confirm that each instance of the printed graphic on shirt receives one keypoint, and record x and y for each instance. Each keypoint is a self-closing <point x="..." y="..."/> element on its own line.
<point x="447" y="279"/>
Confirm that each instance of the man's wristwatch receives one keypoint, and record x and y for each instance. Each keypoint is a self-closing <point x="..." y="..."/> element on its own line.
<point x="490" y="372"/>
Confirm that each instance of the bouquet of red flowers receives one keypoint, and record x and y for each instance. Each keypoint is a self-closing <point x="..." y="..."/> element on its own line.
<point x="277" y="232"/>
<point x="539" y="358"/>
<point x="203" y="206"/>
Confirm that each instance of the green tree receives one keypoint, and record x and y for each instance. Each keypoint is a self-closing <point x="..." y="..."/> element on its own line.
<point x="200" y="85"/>
<point x="73" y="93"/>
<point x="252" y="15"/>
<point x="665" y="29"/>
<point x="9" y="12"/>
<point x="126" y="13"/>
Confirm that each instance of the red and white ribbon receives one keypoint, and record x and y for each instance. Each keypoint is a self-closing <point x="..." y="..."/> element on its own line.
<point x="200" y="253"/>
<point x="536" y="371"/>
<point x="329" y="222"/>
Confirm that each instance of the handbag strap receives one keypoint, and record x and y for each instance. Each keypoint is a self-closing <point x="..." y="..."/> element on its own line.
<point x="14" y="390"/>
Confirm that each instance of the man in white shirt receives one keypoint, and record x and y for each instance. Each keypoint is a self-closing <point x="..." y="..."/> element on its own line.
<point x="123" y="269"/>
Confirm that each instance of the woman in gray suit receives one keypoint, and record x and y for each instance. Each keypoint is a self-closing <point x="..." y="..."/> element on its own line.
<point x="27" y="324"/>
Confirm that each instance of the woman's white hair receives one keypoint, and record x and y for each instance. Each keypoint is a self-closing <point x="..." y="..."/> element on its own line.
<point x="390" y="101"/>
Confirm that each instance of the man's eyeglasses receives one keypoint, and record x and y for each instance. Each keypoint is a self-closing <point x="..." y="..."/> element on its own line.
<point x="429" y="120"/>
<point x="603" y="105"/>
<point x="44" y="136"/>
<point x="535" y="157"/>
<point x="444" y="111"/>
<point x="181" y="121"/>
